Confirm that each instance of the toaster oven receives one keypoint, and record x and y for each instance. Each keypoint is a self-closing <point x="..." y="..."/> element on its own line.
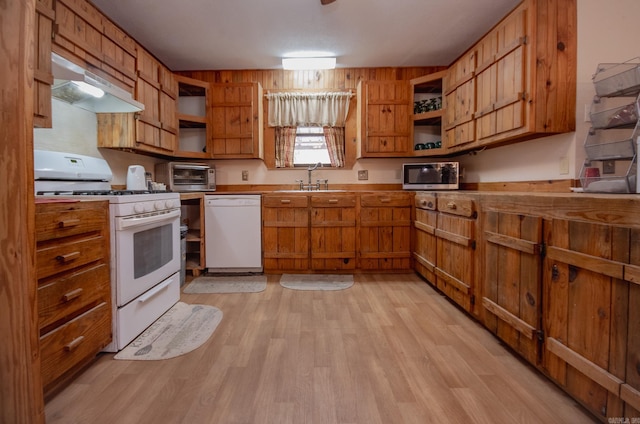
<point x="183" y="176"/>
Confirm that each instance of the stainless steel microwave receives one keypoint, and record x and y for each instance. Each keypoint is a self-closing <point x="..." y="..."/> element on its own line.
<point x="430" y="176"/>
<point x="183" y="176"/>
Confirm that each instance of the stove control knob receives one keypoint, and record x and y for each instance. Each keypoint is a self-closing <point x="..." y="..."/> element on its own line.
<point x="139" y="208"/>
<point x="170" y="204"/>
<point x="159" y="205"/>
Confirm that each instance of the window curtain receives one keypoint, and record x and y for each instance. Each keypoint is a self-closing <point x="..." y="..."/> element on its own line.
<point x="285" y="142"/>
<point x="325" y="109"/>
<point x="334" y="136"/>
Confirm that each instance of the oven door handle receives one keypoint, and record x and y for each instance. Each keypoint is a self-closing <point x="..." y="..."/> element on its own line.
<point x="124" y="223"/>
<point x="154" y="291"/>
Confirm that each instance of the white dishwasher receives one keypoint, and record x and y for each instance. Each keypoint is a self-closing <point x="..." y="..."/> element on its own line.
<point x="233" y="233"/>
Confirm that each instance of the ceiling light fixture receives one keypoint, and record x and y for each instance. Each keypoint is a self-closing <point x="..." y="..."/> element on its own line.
<point x="300" y="63"/>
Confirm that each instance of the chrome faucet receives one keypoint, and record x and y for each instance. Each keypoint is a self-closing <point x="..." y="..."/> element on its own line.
<point x="309" y="186"/>
<point x="312" y="168"/>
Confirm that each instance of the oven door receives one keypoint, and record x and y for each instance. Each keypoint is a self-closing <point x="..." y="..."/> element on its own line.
<point x="147" y="251"/>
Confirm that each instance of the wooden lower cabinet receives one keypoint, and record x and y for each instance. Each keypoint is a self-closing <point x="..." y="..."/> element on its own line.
<point x="333" y="232"/>
<point x="455" y="249"/>
<point x="385" y="231"/>
<point x="285" y="232"/>
<point x="74" y="289"/>
<point x="425" y="241"/>
<point x="591" y="314"/>
<point x="561" y="286"/>
<point x="512" y="290"/>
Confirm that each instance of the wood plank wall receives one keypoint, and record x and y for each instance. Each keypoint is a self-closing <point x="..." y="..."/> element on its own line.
<point x="21" y="398"/>
<point x="340" y="78"/>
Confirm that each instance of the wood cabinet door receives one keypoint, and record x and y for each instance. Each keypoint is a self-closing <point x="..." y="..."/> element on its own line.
<point x="235" y="117"/>
<point x="168" y="118"/>
<point x="149" y="121"/>
<point x="425" y="241"/>
<point x="118" y="55"/>
<point x="630" y="390"/>
<point x="42" y="64"/>
<point x="455" y="250"/>
<point x="333" y="232"/>
<point x="501" y="82"/>
<point x="587" y="310"/>
<point x="512" y="294"/>
<point x="285" y="233"/>
<point x="385" y="231"/>
<point x="460" y="105"/>
<point x="388" y="118"/>
<point x="78" y="32"/>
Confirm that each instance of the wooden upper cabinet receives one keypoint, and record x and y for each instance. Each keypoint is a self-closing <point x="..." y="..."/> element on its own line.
<point x="119" y="54"/>
<point x="236" y="113"/>
<point x="148" y="88"/>
<point x="168" y="100"/>
<point x="78" y="32"/>
<point x="459" y="102"/>
<point x="42" y="64"/>
<point x="385" y="118"/>
<point x="83" y="35"/>
<point x="523" y="84"/>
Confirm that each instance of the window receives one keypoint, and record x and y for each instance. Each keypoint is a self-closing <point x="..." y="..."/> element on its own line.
<point x="310" y="147"/>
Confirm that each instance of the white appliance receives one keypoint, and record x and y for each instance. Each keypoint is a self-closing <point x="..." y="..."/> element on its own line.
<point x="233" y="233"/>
<point x="145" y="239"/>
<point x="136" y="178"/>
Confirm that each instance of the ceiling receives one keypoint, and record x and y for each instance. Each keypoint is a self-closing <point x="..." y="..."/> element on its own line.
<point x="256" y="34"/>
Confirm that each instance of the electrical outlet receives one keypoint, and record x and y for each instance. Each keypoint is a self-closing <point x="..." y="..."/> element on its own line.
<point x="363" y="174"/>
<point x="564" y="165"/>
<point x="609" y="167"/>
<point x="587" y="113"/>
<point x="245" y="175"/>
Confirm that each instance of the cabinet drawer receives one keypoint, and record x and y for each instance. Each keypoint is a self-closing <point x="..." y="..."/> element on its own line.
<point x="74" y="342"/>
<point x="384" y="200"/>
<point x="457" y="206"/>
<point x="54" y="222"/>
<point x="324" y="201"/>
<point x="72" y="293"/>
<point x="426" y="201"/>
<point x="285" y="201"/>
<point x="60" y="257"/>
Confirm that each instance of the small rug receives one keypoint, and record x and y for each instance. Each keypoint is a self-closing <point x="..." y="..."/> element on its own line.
<point x="227" y="284"/>
<point x="180" y="330"/>
<point x="316" y="281"/>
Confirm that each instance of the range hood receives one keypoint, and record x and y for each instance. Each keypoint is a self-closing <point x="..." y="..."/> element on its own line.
<point x="68" y="79"/>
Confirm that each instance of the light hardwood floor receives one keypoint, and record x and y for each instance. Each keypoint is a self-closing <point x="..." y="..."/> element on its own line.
<point x="388" y="350"/>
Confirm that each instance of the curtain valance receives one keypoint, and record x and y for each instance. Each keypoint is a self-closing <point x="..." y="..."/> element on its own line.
<point x="326" y="109"/>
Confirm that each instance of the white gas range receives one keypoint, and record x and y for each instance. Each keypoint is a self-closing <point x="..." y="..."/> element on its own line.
<point x="145" y="238"/>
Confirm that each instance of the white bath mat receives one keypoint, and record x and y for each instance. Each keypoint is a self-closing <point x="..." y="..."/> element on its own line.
<point x="227" y="284"/>
<point x="180" y="330"/>
<point x="316" y="281"/>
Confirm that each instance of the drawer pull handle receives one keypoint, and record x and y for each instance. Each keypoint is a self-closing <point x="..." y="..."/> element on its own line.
<point x="424" y="203"/>
<point x="385" y="200"/>
<point x="452" y="205"/>
<point x="72" y="294"/>
<point x="68" y="257"/>
<point x="333" y="200"/>
<point x="68" y="223"/>
<point x="285" y="201"/>
<point x="74" y="344"/>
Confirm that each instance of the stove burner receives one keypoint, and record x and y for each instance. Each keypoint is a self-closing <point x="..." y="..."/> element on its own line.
<point x="97" y="192"/>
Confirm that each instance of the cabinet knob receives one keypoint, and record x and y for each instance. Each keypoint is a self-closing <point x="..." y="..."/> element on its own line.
<point x="72" y="294"/>
<point x="68" y="223"/>
<point x="73" y="345"/>
<point x="68" y="257"/>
